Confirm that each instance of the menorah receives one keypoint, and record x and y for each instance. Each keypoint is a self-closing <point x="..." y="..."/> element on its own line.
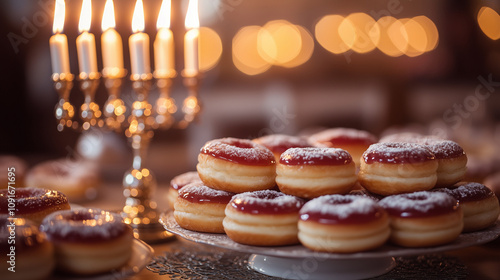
<point x="144" y="118"/>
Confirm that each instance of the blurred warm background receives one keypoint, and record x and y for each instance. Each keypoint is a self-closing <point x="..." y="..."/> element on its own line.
<point x="282" y="66"/>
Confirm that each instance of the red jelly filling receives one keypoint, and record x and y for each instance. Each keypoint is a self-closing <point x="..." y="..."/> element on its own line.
<point x="315" y="156"/>
<point x="266" y="202"/>
<point x="198" y="193"/>
<point x="239" y="151"/>
<point x="397" y="153"/>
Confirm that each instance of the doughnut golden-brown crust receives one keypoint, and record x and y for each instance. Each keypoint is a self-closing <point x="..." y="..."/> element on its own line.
<point x="344" y="238"/>
<point x="272" y="221"/>
<point x="33" y="203"/>
<point x="233" y="177"/>
<point x="84" y="247"/>
<point x="428" y="231"/>
<point x="343" y="224"/>
<point x="34" y="254"/>
<point x="389" y="179"/>
<point x="313" y="181"/>
<point x="200" y="208"/>
<point x="451" y="170"/>
<point x="278" y="143"/>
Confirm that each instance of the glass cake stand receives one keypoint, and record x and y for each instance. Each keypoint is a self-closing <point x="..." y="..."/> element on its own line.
<point x="298" y="262"/>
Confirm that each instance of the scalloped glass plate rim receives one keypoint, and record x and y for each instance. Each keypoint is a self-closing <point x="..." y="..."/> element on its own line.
<point x="299" y="251"/>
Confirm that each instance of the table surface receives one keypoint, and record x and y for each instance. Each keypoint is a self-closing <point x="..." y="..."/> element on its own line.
<point x="481" y="262"/>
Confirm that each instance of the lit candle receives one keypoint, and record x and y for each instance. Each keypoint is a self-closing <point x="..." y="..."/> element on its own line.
<point x="85" y="42"/>
<point x="111" y="43"/>
<point x="139" y="43"/>
<point x="59" y="42"/>
<point x="164" y="42"/>
<point x="191" y="38"/>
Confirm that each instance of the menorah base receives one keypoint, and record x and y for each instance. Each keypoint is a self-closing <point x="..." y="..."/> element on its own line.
<point x="152" y="233"/>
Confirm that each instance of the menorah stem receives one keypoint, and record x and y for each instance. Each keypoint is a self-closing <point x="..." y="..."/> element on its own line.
<point x="114" y="108"/>
<point x="90" y="111"/>
<point x="64" y="111"/>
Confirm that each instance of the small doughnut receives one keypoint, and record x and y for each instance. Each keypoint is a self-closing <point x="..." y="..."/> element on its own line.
<point x="78" y="180"/>
<point x="394" y="168"/>
<point x="354" y="141"/>
<point x="88" y="241"/>
<point x="313" y="172"/>
<point x="201" y="208"/>
<point x="33" y="203"/>
<point x="178" y="182"/>
<point x="31" y="257"/>
<point x="343" y="224"/>
<point x="278" y="143"/>
<point x="479" y="204"/>
<point x="423" y="219"/>
<point x="13" y="171"/>
<point x="263" y="218"/>
<point x="236" y="165"/>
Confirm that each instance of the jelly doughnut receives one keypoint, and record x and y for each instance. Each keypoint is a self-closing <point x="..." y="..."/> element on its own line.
<point x="78" y="180"/>
<point x="312" y="172"/>
<point x="343" y="224"/>
<point x="236" y="165"/>
<point x="479" y="204"/>
<point x="88" y="241"/>
<point x="278" y="143"/>
<point x="423" y="219"/>
<point x="263" y="218"/>
<point x="13" y="171"/>
<point x="31" y="257"/>
<point x="493" y="183"/>
<point x="33" y="203"/>
<point x="178" y="182"/>
<point x="394" y="168"/>
<point x="354" y="141"/>
<point x="201" y="208"/>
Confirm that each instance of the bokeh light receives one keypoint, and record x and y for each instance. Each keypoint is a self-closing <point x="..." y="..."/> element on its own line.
<point x="279" y="42"/>
<point x="305" y="52"/>
<point x="386" y="44"/>
<point x="489" y="22"/>
<point x="245" y="51"/>
<point x="327" y="34"/>
<point x="210" y="49"/>
<point x="366" y="32"/>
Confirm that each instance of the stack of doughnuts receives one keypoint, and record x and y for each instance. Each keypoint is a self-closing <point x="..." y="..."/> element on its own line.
<point x="237" y="194"/>
<point x="178" y="182"/>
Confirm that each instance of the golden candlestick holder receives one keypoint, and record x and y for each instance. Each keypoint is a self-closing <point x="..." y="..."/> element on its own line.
<point x="140" y="211"/>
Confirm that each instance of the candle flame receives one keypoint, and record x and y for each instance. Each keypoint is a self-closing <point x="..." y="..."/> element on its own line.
<point x="192" y="20"/>
<point x="164" y="15"/>
<point x="85" y="16"/>
<point x="108" y="17"/>
<point x="59" y="16"/>
<point x="138" y="18"/>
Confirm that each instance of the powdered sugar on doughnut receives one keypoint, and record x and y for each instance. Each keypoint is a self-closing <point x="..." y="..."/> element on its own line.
<point x="419" y="204"/>
<point x="179" y="181"/>
<point x="315" y="156"/>
<point x="29" y="200"/>
<point x="239" y="150"/>
<point x="266" y="202"/>
<point x="198" y="192"/>
<point x="343" y="135"/>
<point x="280" y="142"/>
<point x="443" y="148"/>
<point x="330" y="209"/>
<point x="397" y="152"/>
<point x="468" y="191"/>
<point x="85" y="225"/>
